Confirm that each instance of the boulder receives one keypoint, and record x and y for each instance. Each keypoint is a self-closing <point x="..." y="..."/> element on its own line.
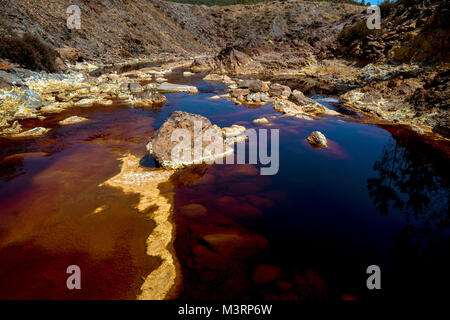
<point x="318" y="139"/>
<point x="31" y="99"/>
<point x="147" y="98"/>
<point x="219" y="77"/>
<point x="252" y="85"/>
<point x="4" y="84"/>
<point x="233" y="131"/>
<point x="25" y="113"/>
<point x="70" y="54"/>
<point x="278" y="90"/>
<point x="5" y="66"/>
<point x="38" y="131"/>
<point x="188" y="137"/>
<point x="60" y="64"/>
<point x="254" y="97"/>
<point x="160" y="79"/>
<point x="261" y="121"/>
<point x="232" y="61"/>
<point x="15" y="128"/>
<point x="72" y="120"/>
<point x="135" y="87"/>
<point x="8" y="79"/>
<point x="308" y="105"/>
<point x="203" y="64"/>
<point x="239" y="93"/>
<point x="167" y="87"/>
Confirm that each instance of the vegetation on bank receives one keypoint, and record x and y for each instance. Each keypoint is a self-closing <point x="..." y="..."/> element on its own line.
<point x="386" y="8"/>
<point x="29" y="52"/>
<point x="230" y="2"/>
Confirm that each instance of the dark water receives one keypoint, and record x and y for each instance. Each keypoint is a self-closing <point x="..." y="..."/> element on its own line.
<point x="308" y="232"/>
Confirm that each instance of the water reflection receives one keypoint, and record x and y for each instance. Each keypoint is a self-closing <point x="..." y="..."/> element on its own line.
<point x="412" y="179"/>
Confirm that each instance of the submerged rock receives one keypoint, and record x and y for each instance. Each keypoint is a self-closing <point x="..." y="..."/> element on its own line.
<point x="147" y="98"/>
<point x="72" y="120"/>
<point x="38" y="131"/>
<point x="193" y="210"/>
<point x="261" y="121"/>
<point x="185" y="139"/>
<point x="233" y="131"/>
<point x="318" y="139"/>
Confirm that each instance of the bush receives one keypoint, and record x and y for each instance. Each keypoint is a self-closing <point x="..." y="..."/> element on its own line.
<point x="29" y="52"/>
<point x="386" y="8"/>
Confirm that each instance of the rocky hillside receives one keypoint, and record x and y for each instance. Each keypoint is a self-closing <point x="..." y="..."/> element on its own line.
<point x="221" y="26"/>
<point x="110" y="28"/>
<point x="117" y="29"/>
<point x="411" y="31"/>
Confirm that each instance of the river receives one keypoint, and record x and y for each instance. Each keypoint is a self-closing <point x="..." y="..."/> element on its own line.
<point x="376" y="196"/>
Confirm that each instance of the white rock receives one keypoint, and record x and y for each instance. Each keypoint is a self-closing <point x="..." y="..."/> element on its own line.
<point x="261" y="121"/>
<point x="167" y="87"/>
<point x="72" y="120"/>
<point x="38" y="131"/>
<point x="317" y="138"/>
<point x="233" y="131"/>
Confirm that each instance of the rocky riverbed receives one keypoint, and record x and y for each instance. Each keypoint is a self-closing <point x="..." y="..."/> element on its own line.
<point x="378" y="91"/>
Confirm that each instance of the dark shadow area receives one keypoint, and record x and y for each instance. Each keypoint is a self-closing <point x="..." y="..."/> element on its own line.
<point x="413" y="178"/>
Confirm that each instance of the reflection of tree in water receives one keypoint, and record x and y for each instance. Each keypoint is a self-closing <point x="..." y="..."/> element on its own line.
<point x="412" y="177"/>
<point x="408" y="181"/>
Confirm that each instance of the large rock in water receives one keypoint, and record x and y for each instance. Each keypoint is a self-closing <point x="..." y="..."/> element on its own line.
<point x="308" y="105"/>
<point x="185" y="139"/>
<point x="167" y="87"/>
<point x="318" y="139"/>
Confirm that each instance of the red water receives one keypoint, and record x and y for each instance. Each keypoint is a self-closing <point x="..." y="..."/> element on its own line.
<point x="307" y="233"/>
<point x="47" y="200"/>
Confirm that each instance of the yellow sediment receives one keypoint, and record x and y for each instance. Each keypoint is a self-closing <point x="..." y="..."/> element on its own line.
<point x="135" y="179"/>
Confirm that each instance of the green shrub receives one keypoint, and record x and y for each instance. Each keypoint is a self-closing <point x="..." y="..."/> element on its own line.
<point x="29" y="52"/>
